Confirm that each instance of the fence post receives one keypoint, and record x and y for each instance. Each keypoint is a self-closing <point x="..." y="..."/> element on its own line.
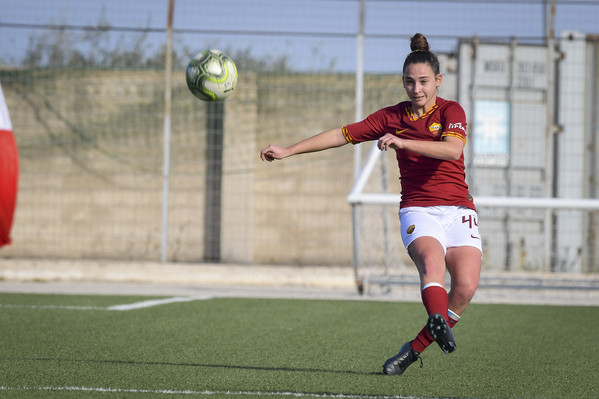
<point x="168" y="62"/>
<point x="358" y="148"/>
<point x="214" y="180"/>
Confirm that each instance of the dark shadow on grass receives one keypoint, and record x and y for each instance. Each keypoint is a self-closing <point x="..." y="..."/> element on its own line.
<point x="222" y="366"/>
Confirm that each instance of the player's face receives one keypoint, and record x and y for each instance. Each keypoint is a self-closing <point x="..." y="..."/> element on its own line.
<point x="421" y="86"/>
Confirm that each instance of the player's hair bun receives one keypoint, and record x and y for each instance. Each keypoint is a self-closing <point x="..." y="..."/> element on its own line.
<point x="421" y="54"/>
<point x="419" y="43"/>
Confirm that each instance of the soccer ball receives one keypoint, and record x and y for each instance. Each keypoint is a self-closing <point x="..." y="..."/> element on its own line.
<point x="211" y="75"/>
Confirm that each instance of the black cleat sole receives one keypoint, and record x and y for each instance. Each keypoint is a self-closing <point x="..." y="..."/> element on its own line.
<point x="441" y="332"/>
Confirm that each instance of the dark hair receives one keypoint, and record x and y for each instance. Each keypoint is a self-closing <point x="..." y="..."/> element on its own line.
<point x="421" y="54"/>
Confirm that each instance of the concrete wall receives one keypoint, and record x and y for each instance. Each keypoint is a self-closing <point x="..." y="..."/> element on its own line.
<point x="91" y="145"/>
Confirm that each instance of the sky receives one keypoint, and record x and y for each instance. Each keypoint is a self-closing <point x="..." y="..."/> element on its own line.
<point x="311" y="34"/>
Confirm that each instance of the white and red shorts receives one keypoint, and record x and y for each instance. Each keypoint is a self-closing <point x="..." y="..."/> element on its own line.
<point x="452" y="226"/>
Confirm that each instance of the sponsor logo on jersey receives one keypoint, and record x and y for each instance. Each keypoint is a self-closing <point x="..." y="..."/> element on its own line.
<point x="456" y="126"/>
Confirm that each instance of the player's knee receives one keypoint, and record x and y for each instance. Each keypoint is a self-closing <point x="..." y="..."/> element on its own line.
<point x="432" y="268"/>
<point x="464" y="291"/>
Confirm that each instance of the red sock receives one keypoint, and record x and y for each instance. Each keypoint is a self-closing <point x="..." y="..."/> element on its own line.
<point x="435" y="300"/>
<point x="422" y="341"/>
<point x="453" y="318"/>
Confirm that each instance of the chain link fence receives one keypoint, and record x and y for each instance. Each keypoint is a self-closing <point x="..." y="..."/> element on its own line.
<point x="85" y="87"/>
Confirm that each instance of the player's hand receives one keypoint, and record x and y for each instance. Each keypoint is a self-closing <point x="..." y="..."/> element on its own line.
<point x="390" y="141"/>
<point x="272" y="152"/>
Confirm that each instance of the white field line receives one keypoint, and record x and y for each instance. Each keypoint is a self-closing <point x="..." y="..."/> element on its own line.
<point x="155" y="302"/>
<point x="68" y="307"/>
<point x="209" y="393"/>
<point x="123" y="307"/>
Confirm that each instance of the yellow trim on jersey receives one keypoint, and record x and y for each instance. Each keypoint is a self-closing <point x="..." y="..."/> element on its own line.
<point x="411" y="113"/>
<point x="453" y="134"/>
<point x="347" y="136"/>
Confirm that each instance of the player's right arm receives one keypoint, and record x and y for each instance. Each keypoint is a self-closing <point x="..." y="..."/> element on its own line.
<point x="322" y="141"/>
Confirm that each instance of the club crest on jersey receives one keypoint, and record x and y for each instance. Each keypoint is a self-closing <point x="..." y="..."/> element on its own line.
<point x="411" y="229"/>
<point x="435" y="128"/>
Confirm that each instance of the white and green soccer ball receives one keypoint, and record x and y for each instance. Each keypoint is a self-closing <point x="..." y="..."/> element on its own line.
<point x="211" y="75"/>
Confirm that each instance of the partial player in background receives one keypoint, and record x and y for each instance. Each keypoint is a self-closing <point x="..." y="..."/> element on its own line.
<point x="439" y="224"/>
<point x="9" y="171"/>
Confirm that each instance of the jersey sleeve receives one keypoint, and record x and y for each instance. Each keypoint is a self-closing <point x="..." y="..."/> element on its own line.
<point x="371" y="128"/>
<point x="453" y="120"/>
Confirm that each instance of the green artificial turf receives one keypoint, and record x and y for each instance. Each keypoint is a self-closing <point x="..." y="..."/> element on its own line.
<point x="72" y="346"/>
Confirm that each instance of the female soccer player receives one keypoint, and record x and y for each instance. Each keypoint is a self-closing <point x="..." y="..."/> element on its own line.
<point x="439" y="224"/>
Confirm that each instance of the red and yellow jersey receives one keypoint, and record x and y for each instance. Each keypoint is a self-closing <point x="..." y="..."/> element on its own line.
<point x="425" y="181"/>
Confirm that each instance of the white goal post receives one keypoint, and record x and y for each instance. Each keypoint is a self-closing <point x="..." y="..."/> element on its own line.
<point x="497" y="202"/>
<point x="357" y="196"/>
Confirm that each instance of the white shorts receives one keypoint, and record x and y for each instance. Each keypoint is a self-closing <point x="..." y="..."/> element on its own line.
<point x="452" y="226"/>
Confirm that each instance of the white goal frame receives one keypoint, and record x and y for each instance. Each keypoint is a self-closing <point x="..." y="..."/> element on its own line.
<point x="357" y="197"/>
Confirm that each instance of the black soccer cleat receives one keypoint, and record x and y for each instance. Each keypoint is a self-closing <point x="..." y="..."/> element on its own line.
<point x="441" y="332"/>
<point x="399" y="363"/>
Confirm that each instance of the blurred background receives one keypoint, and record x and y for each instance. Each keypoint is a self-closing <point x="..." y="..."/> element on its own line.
<point x="102" y="176"/>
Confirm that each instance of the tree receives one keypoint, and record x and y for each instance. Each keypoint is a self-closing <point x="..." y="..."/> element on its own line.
<point x="99" y="46"/>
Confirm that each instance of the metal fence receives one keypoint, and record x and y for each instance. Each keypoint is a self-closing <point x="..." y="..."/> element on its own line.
<point x="85" y="88"/>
